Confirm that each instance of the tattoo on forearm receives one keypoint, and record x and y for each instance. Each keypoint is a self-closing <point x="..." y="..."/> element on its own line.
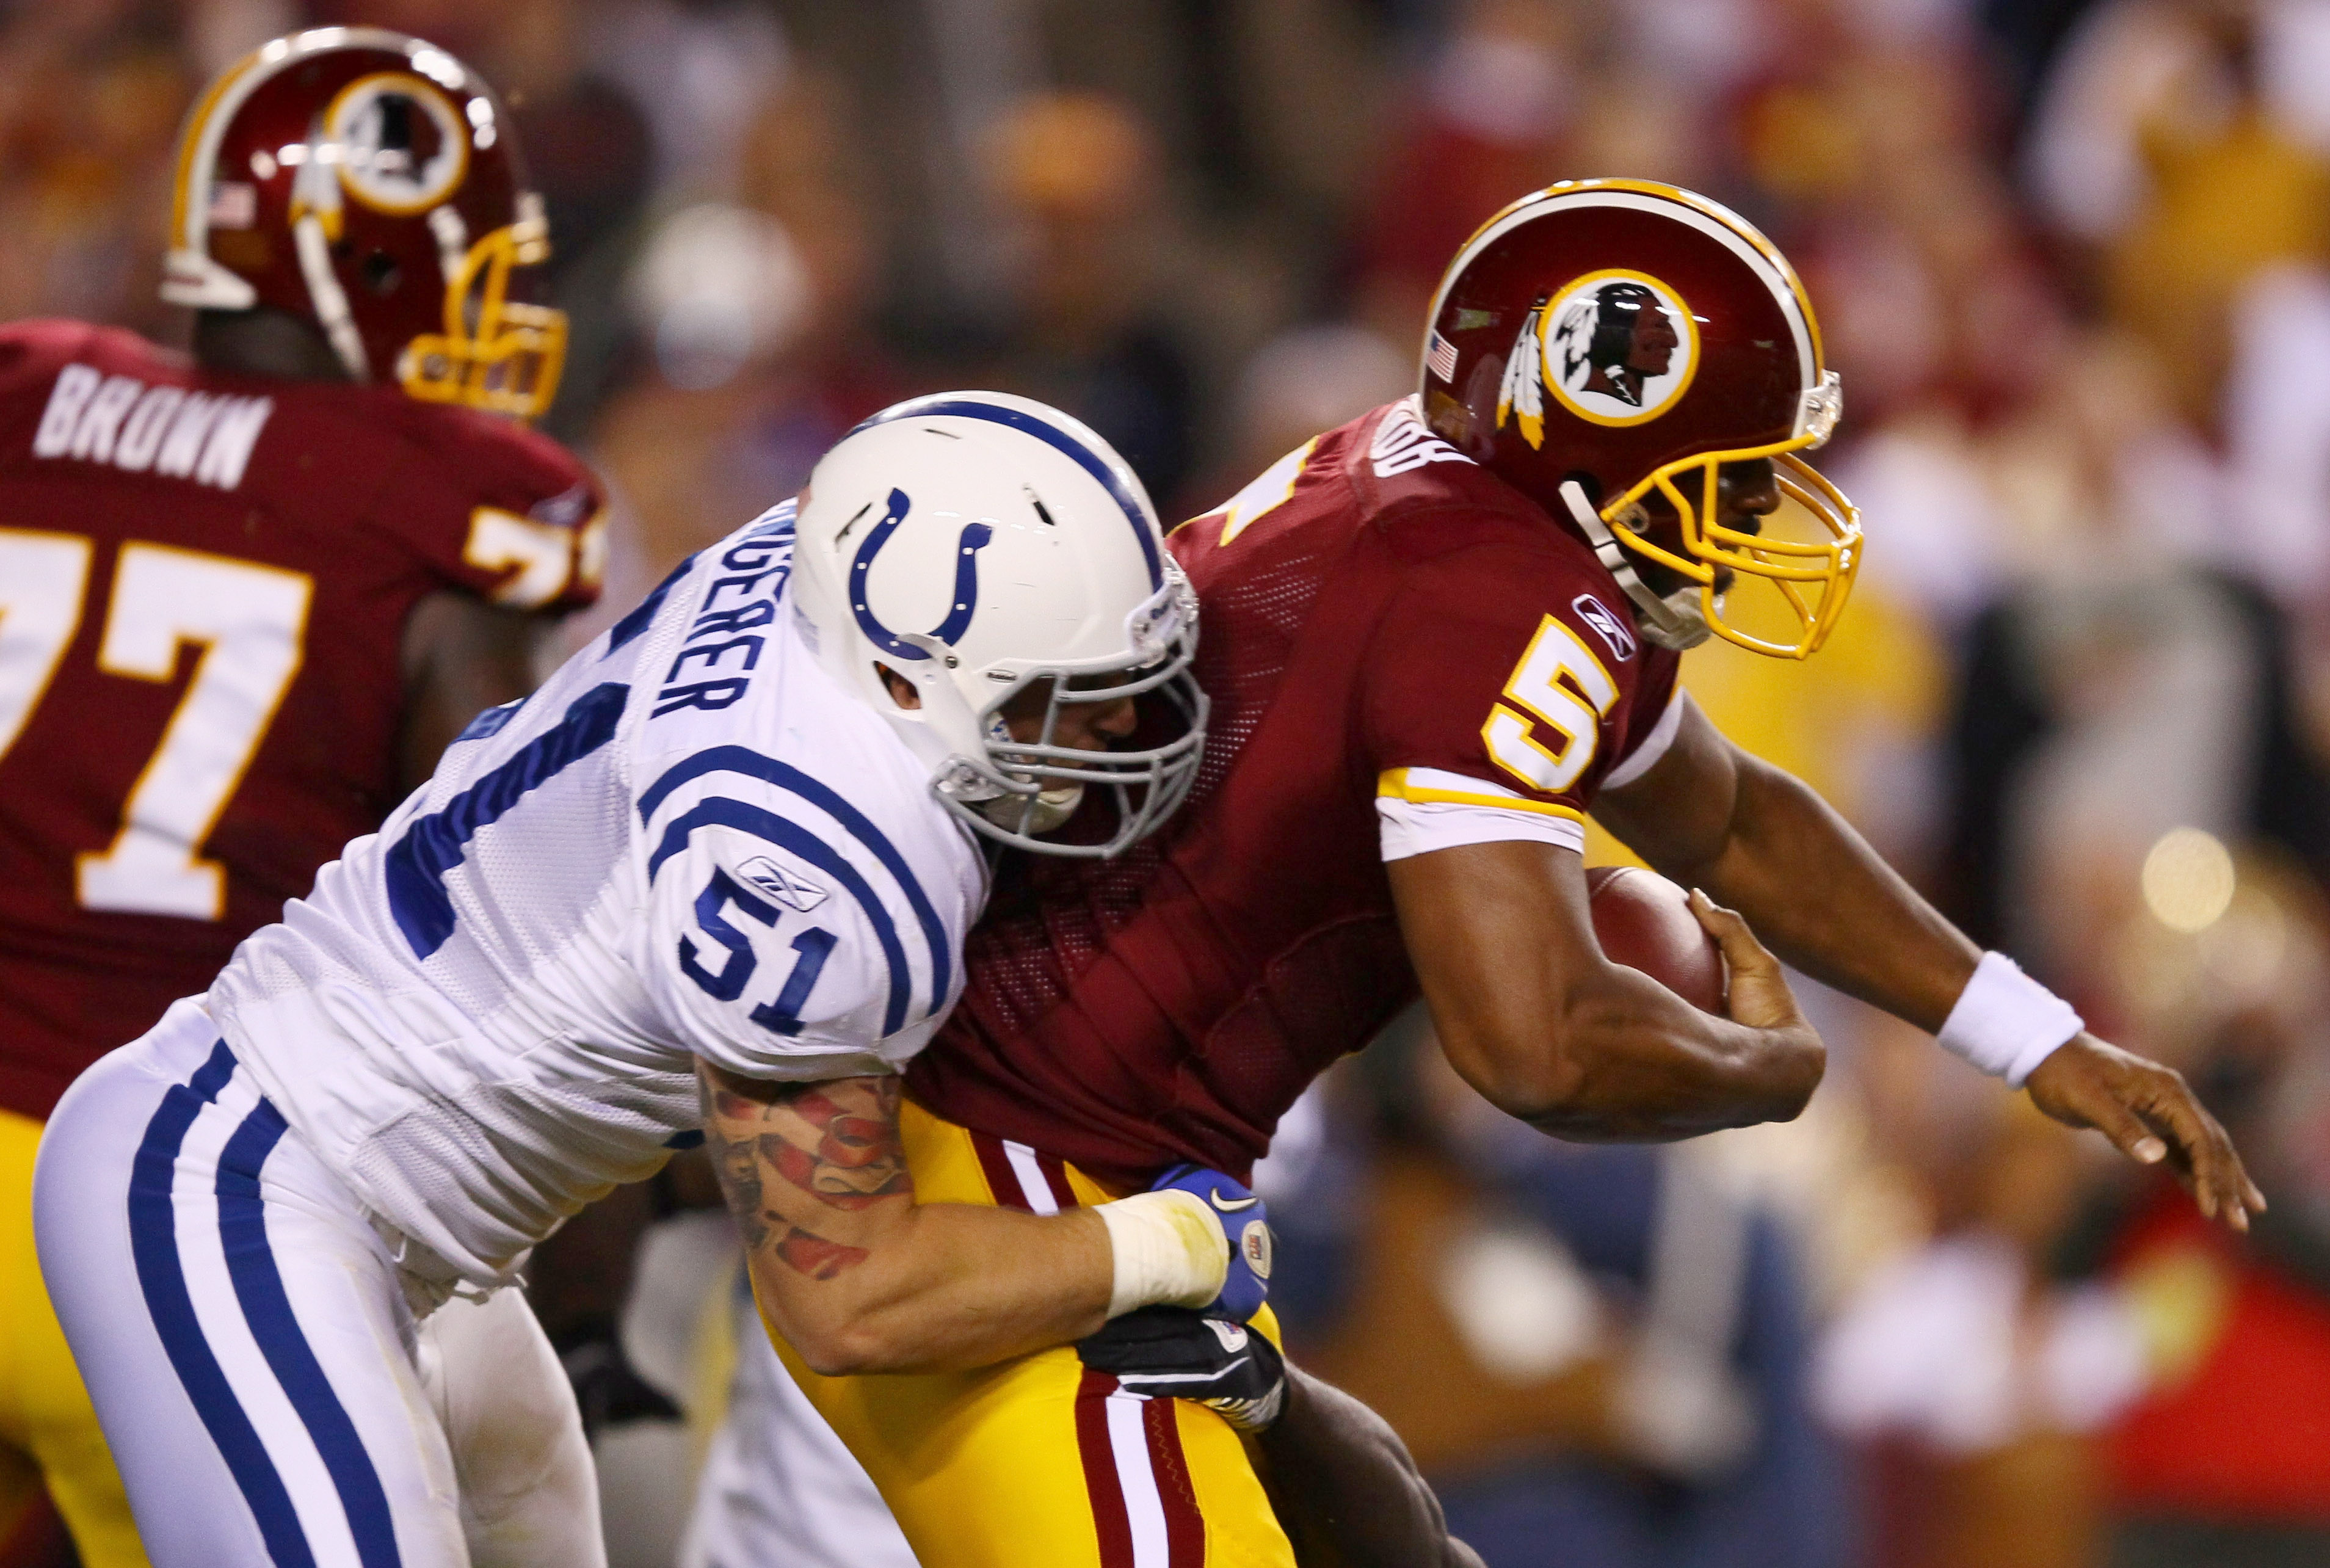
<point x="857" y="1160"/>
<point x="837" y="1143"/>
<point x="815" y="1256"/>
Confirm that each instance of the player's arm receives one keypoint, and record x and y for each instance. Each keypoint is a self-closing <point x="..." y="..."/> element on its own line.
<point x="1534" y="1016"/>
<point x="1708" y="815"/>
<point x="1346" y="1489"/>
<point x="461" y="656"/>
<point x="859" y="1278"/>
<point x="1485" y="696"/>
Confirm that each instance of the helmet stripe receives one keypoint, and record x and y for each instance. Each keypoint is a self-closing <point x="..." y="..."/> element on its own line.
<point x="199" y="146"/>
<point x="1086" y="458"/>
<point x="1643" y="195"/>
<point x="206" y="123"/>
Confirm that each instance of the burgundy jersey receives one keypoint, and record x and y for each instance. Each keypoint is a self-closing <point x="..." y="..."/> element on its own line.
<point x="203" y="585"/>
<point x="1400" y="649"/>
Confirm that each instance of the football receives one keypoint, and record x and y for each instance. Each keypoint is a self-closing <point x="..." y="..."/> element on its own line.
<point x="1644" y="922"/>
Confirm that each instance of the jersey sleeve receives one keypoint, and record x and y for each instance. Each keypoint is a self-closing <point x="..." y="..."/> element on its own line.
<point x="502" y="511"/>
<point x="1497" y="691"/>
<point x="1657" y="717"/>
<point x="781" y="946"/>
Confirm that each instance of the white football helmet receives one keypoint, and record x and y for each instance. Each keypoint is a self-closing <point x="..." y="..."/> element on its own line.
<point x="976" y="544"/>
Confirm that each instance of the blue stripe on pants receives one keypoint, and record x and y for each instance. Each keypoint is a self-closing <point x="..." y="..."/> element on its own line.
<point x="258" y="1286"/>
<point x="154" y="1245"/>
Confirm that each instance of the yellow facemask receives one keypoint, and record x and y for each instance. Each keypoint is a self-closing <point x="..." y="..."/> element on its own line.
<point x="495" y="354"/>
<point x="1809" y="552"/>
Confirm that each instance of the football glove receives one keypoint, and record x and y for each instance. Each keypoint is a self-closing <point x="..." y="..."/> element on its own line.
<point x="1246" y="1225"/>
<point x="1174" y="1352"/>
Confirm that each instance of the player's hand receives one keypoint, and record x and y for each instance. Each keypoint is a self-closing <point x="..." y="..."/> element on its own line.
<point x="1173" y="1353"/>
<point x="2150" y="1116"/>
<point x="1758" y="996"/>
<point x="1245" y="1225"/>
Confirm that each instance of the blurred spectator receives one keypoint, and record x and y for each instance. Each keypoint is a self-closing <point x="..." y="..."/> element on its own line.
<point x="1077" y="178"/>
<point x="1301" y="383"/>
<point x="1971" y="1384"/>
<point x="1601" y="1347"/>
<point x="91" y="95"/>
<point x="2224" y="969"/>
<point x="733" y="406"/>
<point x="1491" y="120"/>
<point x="2113" y="651"/>
<point x="703" y="71"/>
<point x="748" y="346"/>
<point x="2184" y="139"/>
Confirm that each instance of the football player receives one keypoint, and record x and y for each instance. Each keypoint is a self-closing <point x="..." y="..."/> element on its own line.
<point x="1435" y="638"/>
<point x="246" y="596"/>
<point x="713" y="877"/>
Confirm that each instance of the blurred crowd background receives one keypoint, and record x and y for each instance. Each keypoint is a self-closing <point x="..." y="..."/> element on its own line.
<point x="2072" y="258"/>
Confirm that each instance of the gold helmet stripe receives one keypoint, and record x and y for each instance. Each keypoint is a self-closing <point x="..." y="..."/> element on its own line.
<point x="198" y="146"/>
<point x="215" y="111"/>
<point x="1710" y="217"/>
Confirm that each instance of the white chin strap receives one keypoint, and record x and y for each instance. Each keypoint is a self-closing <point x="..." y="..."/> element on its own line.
<point x="1673" y="622"/>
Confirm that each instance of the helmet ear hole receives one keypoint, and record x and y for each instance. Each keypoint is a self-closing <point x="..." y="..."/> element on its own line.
<point x="902" y="691"/>
<point x="381" y="272"/>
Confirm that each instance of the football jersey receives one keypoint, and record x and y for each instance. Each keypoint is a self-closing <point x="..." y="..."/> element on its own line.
<point x="1404" y="653"/>
<point x="691" y="841"/>
<point x="204" y="583"/>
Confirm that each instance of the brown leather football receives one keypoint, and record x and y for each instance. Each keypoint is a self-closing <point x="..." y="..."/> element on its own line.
<point x="1644" y="922"/>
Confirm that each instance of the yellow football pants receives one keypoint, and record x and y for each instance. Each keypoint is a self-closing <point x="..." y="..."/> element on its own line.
<point x="1039" y="1461"/>
<point x="48" y="1432"/>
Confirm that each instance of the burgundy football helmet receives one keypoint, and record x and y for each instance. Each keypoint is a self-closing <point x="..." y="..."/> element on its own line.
<point x="1606" y="345"/>
<point x="370" y="182"/>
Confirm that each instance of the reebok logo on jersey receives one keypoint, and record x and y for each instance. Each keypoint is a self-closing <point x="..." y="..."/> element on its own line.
<point x="205" y="437"/>
<point x="1232" y="1205"/>
<point x="1596" y="614"/>
<point x="793" y="892"/>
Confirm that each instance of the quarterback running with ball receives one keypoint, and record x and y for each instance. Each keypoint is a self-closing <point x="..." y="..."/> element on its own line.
<point x="1435" y="638"/>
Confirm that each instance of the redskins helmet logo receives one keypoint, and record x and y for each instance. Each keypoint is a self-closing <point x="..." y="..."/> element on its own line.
<point x="1614" y="348"/>
<point x="404" y="149"/>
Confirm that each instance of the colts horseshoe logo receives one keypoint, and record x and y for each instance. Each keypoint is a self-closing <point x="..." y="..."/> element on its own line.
<point x="974" y="539"/>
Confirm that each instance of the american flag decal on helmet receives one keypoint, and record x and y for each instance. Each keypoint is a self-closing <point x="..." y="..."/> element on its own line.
<point x="1442" y="359"/>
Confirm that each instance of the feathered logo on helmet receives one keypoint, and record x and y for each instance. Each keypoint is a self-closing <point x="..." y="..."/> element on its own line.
<point x="1615" y="348"/>
<point x="1522" y="392"/>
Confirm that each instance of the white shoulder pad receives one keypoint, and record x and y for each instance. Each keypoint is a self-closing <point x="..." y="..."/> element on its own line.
<point x="789" y="935"/>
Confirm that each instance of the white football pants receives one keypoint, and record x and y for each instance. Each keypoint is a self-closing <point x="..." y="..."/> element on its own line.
<point x="266" y="1388"/>
<point x="778" y="1488"/>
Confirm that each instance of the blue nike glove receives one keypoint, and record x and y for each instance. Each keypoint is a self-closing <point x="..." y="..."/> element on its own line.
<point x="1245" y="1221"/>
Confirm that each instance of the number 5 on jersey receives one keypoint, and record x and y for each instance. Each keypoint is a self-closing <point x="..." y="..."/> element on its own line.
<point x="1536" y="693"/>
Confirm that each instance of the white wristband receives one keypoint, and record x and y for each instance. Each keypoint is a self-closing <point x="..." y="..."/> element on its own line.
<point x="2006" y="1022"/>
<point x="1167" y="1249"/>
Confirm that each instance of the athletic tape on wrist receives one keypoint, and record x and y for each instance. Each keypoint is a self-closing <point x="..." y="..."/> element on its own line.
<point x="2006" y="1022"/>
<point x="1166" y="1248"/>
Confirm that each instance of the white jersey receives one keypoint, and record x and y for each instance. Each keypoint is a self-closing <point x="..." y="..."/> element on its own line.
<point x="692" y="841"/>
